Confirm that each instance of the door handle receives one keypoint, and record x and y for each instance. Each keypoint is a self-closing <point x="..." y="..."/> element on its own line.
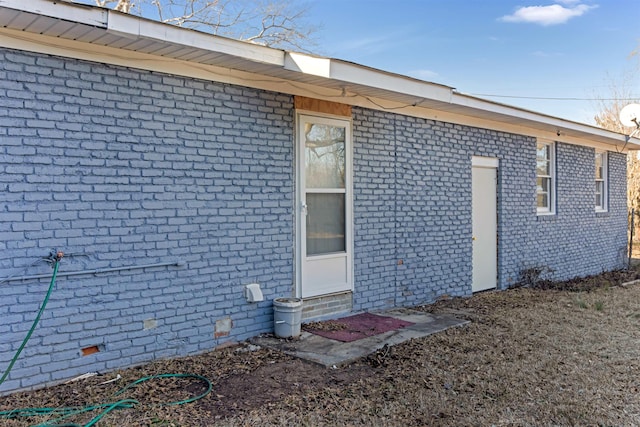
<point x="303" y="208"/>
<point x="473" y="238"/>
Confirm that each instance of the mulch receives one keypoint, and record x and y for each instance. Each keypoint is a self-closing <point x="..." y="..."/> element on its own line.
<point x="589" y="283"/>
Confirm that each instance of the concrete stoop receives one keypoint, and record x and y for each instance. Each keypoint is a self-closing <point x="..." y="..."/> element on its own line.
<point x="330" y="353"/>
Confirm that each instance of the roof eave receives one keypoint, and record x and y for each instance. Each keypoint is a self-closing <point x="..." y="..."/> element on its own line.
<point x="128" y="32"/>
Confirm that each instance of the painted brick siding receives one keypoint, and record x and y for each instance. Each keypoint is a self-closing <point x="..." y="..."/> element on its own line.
<point x="412" y="203"/>
<point x="374" y="188"/>
<point x="577" y="240"/>
<point x="125" y="167"/>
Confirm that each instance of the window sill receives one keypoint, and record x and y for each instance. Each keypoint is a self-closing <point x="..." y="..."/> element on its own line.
<point x="601" y="213"/>
<point x="546" y="216"/>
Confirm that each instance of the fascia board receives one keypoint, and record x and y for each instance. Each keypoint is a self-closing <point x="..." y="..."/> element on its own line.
<point x="528" y="118"/>
<point x="472" y="102"/>
<point x="65" y="11"/>
<point x="308" y="64"/>
<point x="361" y="75"/>
<point x="633" y="142"/>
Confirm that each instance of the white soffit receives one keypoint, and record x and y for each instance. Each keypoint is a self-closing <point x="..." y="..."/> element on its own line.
<point x="95" y="25"/>
<point x="40" y="10"/>
<point x="123" y="25"/>
<point x="104" y="27"/>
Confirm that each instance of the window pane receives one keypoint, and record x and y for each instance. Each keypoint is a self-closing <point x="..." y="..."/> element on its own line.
<point x="599" y="194"/>
<point x="325" y="223"/>
<point x="542" y="160"/>
<point x="543" y="185"/>
<point x="543" y="200"/>
<point x="542" y="190"/>
<point x="544" y="181"/>
<point x="543" y="151"/>
<point x="599" y="171"/>
<point x="601" y="180"/>
<point x="324" y="156"/>
<point x="542" y="168"/>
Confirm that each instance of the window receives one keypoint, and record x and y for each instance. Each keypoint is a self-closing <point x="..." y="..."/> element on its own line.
<point x="601" y="181"/>
<point x="545" y="178"/>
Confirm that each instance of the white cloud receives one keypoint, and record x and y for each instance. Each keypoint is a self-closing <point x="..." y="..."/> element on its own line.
<point x="548" y="15"/>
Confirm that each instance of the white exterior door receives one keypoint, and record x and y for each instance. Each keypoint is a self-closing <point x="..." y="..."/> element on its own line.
<point x="324" y="223"/>
<point x="485" y="223"/>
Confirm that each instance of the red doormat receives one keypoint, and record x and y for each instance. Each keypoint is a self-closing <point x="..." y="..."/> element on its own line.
<point x="356" y="327"/>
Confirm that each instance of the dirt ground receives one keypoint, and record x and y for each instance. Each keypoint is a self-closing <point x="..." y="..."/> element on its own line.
<point x="557" y="354"/>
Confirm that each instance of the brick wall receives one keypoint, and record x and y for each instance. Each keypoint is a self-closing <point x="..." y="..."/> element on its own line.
<point x="577" y="240"/>
<point x="412" y="202"/>
<point x="125" y="167"/>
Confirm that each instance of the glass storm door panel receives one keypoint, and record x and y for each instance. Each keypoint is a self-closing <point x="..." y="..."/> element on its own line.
<point x="324" y="195"/>
<point x="325" y="224"/>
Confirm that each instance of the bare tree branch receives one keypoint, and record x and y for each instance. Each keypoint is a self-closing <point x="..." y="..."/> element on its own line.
<point x="620" y="91"/>
<point x="123" y="6"/>
<point x="275" y="23"/>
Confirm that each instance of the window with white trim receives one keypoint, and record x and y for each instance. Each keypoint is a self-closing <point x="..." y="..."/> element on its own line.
<point x="545" y="177"/>
<point x="601" y="181"/>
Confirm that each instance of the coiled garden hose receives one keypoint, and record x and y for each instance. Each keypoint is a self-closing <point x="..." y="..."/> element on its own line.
<point x="56" y="264"/>
<point x="68" y="412"/>
<point x="65" y="413"/>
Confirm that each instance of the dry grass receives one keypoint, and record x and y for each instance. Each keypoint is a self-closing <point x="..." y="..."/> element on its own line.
<point x="529" y="357"/>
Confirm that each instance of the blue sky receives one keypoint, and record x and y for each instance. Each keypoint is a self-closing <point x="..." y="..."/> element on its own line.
<point x="520" y="48"/>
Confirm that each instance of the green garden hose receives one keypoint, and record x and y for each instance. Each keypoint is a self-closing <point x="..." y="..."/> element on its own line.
<point x="63" y="413"/>
<point x="68" y="412"/>
<point x="37" y="319"/>
<point x="178" y="402"/>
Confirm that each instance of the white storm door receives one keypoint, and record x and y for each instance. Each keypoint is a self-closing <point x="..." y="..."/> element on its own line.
<point x="324" y="249"/>
<point x="485" y="223"/>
